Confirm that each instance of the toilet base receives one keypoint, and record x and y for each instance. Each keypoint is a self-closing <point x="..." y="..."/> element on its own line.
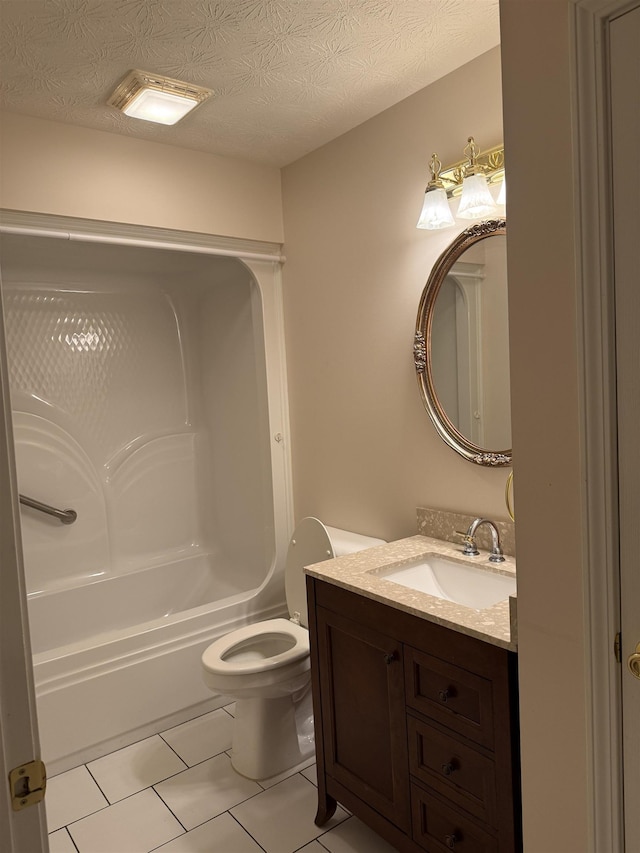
<point x="272" y="735"/>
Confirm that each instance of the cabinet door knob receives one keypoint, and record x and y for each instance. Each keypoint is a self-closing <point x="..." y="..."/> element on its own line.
<point x="389" y="658"/>
<point x="445" y="695"/>
<point x="449" y="767"/>
<point x="450" y="840"/>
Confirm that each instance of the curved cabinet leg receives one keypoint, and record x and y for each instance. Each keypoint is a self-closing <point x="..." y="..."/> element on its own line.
<point x="326" y="809"/>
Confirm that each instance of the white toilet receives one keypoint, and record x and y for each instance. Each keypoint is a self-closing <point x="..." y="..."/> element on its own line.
<point x="265" y="667"/>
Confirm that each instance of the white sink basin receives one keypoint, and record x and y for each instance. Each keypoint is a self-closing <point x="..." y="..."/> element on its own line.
<point x="472" y="586"/>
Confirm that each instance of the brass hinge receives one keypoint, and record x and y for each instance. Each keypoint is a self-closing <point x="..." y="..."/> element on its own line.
<point x="617" y="647"/>
<point x="27" y="784"/>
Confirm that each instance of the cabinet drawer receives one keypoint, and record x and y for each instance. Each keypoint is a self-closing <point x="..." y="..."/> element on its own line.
<point x="457" y="771"/>
<point x="439" y="829"/>
<point x="455" y="697"/>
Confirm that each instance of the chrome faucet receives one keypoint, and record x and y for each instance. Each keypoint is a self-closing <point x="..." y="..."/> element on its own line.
<point x="470" y="546"/>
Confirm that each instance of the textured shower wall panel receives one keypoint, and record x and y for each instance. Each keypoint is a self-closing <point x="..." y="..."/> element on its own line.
<point x="109" y="362"/>
<point x="54" y="467"/>
<point x="102" y="426"/>
<point x="155" y="504"/>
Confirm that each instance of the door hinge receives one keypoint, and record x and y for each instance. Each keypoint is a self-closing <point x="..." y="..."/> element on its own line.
<point x="617" y="647"/>
<point x="27" y="784"/>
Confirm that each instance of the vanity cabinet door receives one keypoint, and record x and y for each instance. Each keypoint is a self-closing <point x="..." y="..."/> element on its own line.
<point x="363" y="717"/>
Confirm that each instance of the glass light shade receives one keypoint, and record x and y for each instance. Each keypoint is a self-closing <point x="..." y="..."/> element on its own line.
<point x="476" y="200"/>
<point x="501" y="201"/>
<point x="435" y="212"/>
<point x="160" y="107"/>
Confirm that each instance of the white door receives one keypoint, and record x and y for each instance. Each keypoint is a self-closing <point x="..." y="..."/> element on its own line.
<point x="20" y="831"/>
<point x="625" y="108"/>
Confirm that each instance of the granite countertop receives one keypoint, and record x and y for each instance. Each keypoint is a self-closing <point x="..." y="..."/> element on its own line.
<point x="357" y="573"/>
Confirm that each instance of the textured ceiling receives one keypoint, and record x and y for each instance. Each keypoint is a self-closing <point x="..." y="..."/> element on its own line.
<point x="287" y="75"/>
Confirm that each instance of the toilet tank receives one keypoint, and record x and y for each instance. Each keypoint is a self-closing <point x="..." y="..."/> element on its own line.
<point x="313" y="542"/>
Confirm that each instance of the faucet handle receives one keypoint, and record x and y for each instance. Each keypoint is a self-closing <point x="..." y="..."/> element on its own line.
<point x="470" y="548"/>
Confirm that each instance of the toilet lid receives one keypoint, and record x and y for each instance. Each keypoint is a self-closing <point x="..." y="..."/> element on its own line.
<point x="309" y="544"/>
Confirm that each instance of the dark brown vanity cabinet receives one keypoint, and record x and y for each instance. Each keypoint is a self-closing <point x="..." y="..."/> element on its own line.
<point x="416" y="726"/>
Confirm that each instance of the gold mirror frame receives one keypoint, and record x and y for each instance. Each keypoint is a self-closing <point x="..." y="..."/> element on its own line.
<point x="422" y="347"/>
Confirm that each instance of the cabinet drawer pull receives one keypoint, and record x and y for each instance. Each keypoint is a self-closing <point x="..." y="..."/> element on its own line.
<point x="389" y="658"/>
<point x="445" y="695"/>
<point x="449" y="767"/>
<point x="450" y="840"/>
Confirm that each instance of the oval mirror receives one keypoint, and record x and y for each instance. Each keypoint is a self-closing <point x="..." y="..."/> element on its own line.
<point x="461" y="347"/>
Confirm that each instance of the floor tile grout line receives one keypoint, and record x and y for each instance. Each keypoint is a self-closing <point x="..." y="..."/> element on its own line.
<point x="170" y="810"/>
<point x="97" y="784"/>
<point x="175" y="752"/>
<point x="71" y="823"/>
<point x="122" y="800"/>
<point x="286" y="779"/>
<point x="235" y="805"/>
<point x="187" y="722"/>
<point x="146" y="787"/>
<point x="167" y="806"/>
<point x="151" y="737"/>
<point x="326" y="832"/>
<point x="75" y="846"/>
<point x="212" y="817"/>
<point x="149" y="788"/>
<point x="244" y="829"/>
<point x="106" y="755"/>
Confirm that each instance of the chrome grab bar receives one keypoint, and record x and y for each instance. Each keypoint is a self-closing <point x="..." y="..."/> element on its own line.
<point x="66" y="516"/>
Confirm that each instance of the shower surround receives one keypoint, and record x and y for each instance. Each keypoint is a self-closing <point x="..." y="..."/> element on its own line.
<point x="148" y="395"/>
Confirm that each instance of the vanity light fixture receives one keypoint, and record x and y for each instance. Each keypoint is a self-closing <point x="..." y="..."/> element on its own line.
<point x="476" y="200"/>
<point x="152" y="97"/>
<point x="435" y="212"/>
<point x="470" y="179"/>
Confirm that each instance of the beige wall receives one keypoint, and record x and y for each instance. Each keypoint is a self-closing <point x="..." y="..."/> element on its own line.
<point x="365" y="453"/>
<point x="545" y="407"/>
<point x="49" y="167"/>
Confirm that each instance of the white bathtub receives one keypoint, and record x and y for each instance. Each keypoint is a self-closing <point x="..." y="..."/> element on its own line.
<point x="109" y="607"/>
<point x="148" y="393"/>
<point x="119" y="658"/>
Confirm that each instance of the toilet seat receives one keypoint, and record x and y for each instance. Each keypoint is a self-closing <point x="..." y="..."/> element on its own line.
<point x="239" y="651"/>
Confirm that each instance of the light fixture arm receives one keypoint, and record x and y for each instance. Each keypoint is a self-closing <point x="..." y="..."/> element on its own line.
<point x="489" y="163"/>
<point x="435" y="167"/>
<point x="472" y="151"/>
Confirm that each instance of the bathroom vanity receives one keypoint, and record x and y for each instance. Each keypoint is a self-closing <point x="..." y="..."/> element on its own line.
<point x="415" y="705"/>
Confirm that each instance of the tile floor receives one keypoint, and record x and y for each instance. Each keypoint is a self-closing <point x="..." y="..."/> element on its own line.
<point x="176" y="792"/>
